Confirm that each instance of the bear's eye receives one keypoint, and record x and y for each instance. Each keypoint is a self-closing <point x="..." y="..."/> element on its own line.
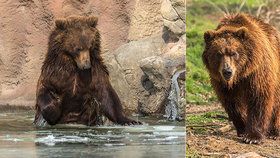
<point x="218" y="55"/>
<point x="234" y="55"/>
<point x="78" y="49"/>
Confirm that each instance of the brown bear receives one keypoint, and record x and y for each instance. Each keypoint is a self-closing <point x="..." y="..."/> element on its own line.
<point x="74" y="84"/>
<point x="242" y="57"/>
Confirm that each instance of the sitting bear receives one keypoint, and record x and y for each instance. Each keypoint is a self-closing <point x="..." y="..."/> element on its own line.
<point x="243" y="59"/>
<point x="74" y="84"/>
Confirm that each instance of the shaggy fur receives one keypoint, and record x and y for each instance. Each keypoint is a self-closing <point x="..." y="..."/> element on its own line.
<point x="67" y="93"/>
<point x="249" y="48"/>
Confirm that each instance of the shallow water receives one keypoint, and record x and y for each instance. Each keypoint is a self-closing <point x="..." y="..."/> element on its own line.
<point x="156" y="138"/>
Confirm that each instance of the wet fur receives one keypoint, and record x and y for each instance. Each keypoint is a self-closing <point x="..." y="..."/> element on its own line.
<point x="252" y="101"/>
<point x="67" y="94"/>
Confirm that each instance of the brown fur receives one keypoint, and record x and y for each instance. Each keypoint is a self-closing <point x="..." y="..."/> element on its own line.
<point x="74" y="84"/>
<point x="250" y="49"/>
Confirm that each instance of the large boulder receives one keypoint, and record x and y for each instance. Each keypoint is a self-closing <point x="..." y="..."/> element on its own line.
<point x="158" y="75"/>
<point x="155" y="80"/>
<point x="141" y="73"/>
<point x="124" y="69"/>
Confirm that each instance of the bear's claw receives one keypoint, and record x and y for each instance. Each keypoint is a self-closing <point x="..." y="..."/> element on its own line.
<point x="250" y="140"/>
<point x="273" y="137"/>
<point x="128" y="122"/>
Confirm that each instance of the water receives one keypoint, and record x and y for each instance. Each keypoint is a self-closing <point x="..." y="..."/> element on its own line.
<point x="156" y="138"/>
<point x="172" y="108"/>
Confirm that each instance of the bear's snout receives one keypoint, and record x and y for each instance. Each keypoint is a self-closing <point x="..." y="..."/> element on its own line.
<point x="227" y="68"/>
<point x="87" y="64"/>
<point x="83" y="60"/>
<point x="227" y="73"/>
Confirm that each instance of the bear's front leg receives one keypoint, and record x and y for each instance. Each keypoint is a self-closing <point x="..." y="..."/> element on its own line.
<point x="231" y="102"/>
<point x="49" y="106"/>
<point x="259" y="116"/>
<point x="235" y="112"/>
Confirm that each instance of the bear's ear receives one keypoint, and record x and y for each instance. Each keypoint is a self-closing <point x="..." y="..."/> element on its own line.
<point x="92" y="21"/>
<point x="61" y="24"/>
<point x="209" y="35"/>
<point x="242" y="32"/>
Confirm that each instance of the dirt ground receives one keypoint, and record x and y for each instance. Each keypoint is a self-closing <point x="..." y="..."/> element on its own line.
<point x="220" y="139"/>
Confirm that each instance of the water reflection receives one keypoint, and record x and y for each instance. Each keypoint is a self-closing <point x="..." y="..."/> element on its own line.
<point x="156" y="138"/>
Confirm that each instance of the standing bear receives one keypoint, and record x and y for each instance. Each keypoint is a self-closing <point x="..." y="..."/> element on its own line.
<point x="243" y="59"/>
<point x="74" y="84"/>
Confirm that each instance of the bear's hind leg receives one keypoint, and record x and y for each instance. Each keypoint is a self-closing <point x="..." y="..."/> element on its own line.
<point x="274" y="131"/>
<point x="112" y="108"/>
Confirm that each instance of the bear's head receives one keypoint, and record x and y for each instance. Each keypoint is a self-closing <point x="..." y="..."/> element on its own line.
<point x="225" y="53"/>
<point x="78" y="39"/>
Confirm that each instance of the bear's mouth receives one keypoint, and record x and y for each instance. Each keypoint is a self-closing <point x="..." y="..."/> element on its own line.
<point x="83" y="60"/>
<point x="84" y="67"/>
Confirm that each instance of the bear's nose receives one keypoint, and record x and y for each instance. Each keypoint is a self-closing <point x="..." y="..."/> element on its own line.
<point x="227" y="73"/>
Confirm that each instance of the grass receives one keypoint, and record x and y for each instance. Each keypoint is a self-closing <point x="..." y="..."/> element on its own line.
<point x="191" y="153"/>
<point x="197" y="82"/>
<point x="198" y="125"/>
<point x="206" y="118"/>
<point x="206" y="122"/>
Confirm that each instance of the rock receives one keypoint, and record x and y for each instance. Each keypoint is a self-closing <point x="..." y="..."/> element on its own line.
<point x="247" y="155"/>
<point x="174" y="55"/>
<point x="158" y="72"/>
<point x="146" y="20"/>
<point x="177" y="27"/>
<point x="156" y="82"/>
<point x="125" y="71"/>
<point x="173" y="13"/>
<point x="141" y="73"/>
<point x="154" y="68"/>
<point x="168" y="12"/>
<point x="180" y="8"/>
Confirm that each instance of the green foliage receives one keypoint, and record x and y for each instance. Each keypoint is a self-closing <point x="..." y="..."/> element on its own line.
<point x="198" y="123"/>
<point x="206" y="118"/>
<point x="198" y="86"/>
<point x="190" y="153"/>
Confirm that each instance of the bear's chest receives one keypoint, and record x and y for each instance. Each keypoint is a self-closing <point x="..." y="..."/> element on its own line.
<point x="80" y="86"/>
<point x="77" y="84"/>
